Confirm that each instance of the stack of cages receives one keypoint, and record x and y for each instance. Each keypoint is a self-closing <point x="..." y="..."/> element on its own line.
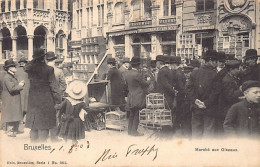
<point x="116" y="120"/>
<point x="155" y="115"/>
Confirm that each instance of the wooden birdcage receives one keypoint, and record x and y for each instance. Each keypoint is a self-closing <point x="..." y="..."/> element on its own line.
<point x="116" y="120"/>
<point x="155" y="118"/>
<point x="155" y="101"/>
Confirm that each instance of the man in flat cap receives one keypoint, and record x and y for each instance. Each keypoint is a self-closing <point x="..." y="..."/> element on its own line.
<point x="230" y="92"/>
<point x="243" y="117"/>
<point x="159" y="62"/>
<point x="203" y="121"/>
<point x="252" y="70"/>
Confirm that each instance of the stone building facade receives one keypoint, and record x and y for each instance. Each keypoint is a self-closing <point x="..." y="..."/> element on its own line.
<point x="29" y="24"/>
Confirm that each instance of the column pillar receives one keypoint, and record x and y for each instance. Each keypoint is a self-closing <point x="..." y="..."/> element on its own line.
<point x="21" y="4"/>
<point x="1" y="54"/>
<point x="30" y="46"/>
<point x="50" y="44"/>
<point x="65" y="47"/>
<point x="14" y="42"/>
<point x="29" y="3"/>
<point x="128" y="47"/>
<point x="13" y="6"/>
<point x="6" y="5"/>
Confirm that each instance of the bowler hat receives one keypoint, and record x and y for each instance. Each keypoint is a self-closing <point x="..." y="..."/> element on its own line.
<point x="38" y="53"/>
<point x="195" y="63"/>
<point x="249" y="84"/>
<point x="76" y="89"/>
<point x="111" y="61"/>
<point x="175" y="60"/>
<point x="233" y="64"/>
<point x="210" y="55"/>
<point x="50" y="56"/>
<point x="22" y="59"/>
<point x="221" y="56"/>
<point x="126" y="60"/>
<point x="250" y="54"/>
<point x="160" y="58"/>
<point x="9" y="63"/>
<point x="230" y="56"/>
<point x="135" y="61"/>
<point x="188" y="68"/>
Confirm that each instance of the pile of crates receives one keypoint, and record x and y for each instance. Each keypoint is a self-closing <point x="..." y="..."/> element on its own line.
<point x="155" y="115"/>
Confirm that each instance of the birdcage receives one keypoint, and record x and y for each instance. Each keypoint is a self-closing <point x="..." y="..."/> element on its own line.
<point x="155" y="101"/>
<point x="155" y="118"/>
<point x="116" y="120"/>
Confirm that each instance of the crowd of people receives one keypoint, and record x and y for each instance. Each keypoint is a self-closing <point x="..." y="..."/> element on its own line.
<point x="216" y="96"/>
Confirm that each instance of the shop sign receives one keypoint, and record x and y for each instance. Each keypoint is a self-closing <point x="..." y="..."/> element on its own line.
<point x="212" y="27"/>
<point x="122" y="33"/>
<point x="152" y="29"/>
<point x="73" y="43"/>
<point x="167" y="21"/>
<point x="140" y="23"/>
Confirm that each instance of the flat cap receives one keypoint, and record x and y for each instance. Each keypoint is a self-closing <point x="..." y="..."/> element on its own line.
<point x="250" y="84"/>
<point x="210" y="55"/>
<point x="160" y="58"/>
<point x="233" y="64"/>
<point x="175" y="59"/>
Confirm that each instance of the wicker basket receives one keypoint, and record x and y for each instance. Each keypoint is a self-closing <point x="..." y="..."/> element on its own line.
<point x="155" y="101"/>
<point x="155" y="118"/>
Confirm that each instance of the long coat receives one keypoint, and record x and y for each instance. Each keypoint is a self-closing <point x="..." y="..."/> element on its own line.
<point x="43" y="95"/>
<point x="165" y="85"/>
<point x="11" y="99"/>
<point x="242" y="119"/>
<point x="136" y="89"/>
<point x="21" y="75"/>
<point x="117" y="86"/>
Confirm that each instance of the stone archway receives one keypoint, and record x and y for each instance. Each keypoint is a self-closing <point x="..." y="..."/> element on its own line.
<point x="21" y="42"/>
<point x="40" y="37"/>
<point x="6" y="43"/>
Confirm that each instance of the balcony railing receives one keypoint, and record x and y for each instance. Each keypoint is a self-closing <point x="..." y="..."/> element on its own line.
<point x="140" y="23"/>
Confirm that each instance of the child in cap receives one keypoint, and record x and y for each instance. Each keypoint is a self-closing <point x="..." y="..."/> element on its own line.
<point x="73" y="110"/>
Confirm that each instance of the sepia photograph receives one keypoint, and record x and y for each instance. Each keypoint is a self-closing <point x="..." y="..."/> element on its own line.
<point x="163" y="83"/>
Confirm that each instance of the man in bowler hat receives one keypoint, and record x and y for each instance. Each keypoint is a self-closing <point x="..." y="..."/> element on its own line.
<point x="203" y="121"/>
<point x="252" y="70"/>
<point x="44" y="93"/>
<point x="136" y="95"/>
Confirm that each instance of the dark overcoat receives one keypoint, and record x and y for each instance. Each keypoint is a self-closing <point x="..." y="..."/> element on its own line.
<point x="202" y="81"/>
<point x="242" y="119"/>
<point x="117" y="86"/>
<point x="136" y="89"/>
<point x="165" y="85"/>
<point x="11" y="99"/>
<point x="43" y="95"/>
<point x="251" y="73"/>
<point x="231" y="92"/>
<point x="21" y="75"/>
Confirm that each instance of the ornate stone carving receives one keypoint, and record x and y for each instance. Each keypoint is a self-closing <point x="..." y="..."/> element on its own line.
<point x="235" y="6"/>
<point x="238" y="22"/>
<point x="41" y="15"/>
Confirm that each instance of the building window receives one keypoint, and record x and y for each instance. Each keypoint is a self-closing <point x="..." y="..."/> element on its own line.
<point x="25" y="4"/>
<point x="147" y="8"/>
<point x="17" y="4"/>
<point x="2" y="5"/>
<point x="35" y="3"/>
<point x="169" y="8"/>
<point x="141" y="9"/>
<point x="119" y="13"/>
<point x="136" y="9"/>
<point x="9" y="5"/>
<point x="204" y="5"/>
<point x="118" y="40"/>
<point x="100" y="14"/>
